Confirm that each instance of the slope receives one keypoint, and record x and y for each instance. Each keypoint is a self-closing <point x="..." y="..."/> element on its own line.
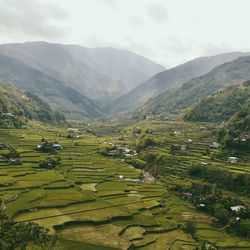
<point x="221" y="106"/>
<point x="168" y="79"/>
<point x="99" y="73"/>
<point x="62" y="98"/>
<point x="124" y="66"/>
<point x="194" y="90"/>
<point x="17" y="107"/>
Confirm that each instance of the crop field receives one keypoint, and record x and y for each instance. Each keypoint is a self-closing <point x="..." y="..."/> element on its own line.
<point x="86" y="203"/>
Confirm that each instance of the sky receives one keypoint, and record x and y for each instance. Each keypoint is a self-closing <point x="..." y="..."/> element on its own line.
<point x="168" y="32"/>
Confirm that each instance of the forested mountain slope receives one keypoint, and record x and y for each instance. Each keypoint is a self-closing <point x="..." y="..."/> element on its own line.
<point x="169" y="79"/>
<point x="17" y="107"/>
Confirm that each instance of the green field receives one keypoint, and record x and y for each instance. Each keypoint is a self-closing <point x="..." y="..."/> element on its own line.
<point x="85" y="203"/>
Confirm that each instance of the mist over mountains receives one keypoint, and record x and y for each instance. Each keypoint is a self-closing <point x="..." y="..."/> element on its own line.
<point x="85" y="82"/>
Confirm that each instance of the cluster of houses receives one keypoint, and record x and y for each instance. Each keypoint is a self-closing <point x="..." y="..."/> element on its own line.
<point x="242" y="138"/>
<point x="5" y="146"/>
<point x="126" y="152"/>
<point x="7" y="115"/>
<point x="44" y="144"/>
<point x="215" y="145"/>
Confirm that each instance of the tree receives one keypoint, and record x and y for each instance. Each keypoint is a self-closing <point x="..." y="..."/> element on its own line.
<point x="243" y="228"/>
<point x="221" y="213"/>
<point x="20" y="235"/>
<point x="189" y="228"/>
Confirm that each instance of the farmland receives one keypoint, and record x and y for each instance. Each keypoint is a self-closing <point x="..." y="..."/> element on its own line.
<point x="88" y="205"/>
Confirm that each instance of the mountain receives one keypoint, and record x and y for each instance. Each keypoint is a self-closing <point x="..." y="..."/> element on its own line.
<point x="194" y="90"/>
<point x="168" y="79"/>
<point x="124" y="66"/>
<point x="236" y="133"/>
<point x="221" y="106"/>
<point x="99" y="73"/>
<point x="60" y="97"/>
<point x="16" y="107"/>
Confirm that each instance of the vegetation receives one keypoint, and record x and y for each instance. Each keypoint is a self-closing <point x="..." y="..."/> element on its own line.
<point x="220" y="107"/>
<point x="90" y="200"/>
<point x="21" y="235"/>
<point x="176" y="100"/>
<point x="16" y="108"/>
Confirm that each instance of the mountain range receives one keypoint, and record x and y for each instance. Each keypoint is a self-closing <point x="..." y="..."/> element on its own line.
<point x="101" y="74"/>
<point x="178" y="99"/>
<point x="169" y="79"/>
<point x="85" y="82"/>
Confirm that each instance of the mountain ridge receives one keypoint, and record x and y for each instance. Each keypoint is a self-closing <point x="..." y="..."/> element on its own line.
<point x="168" y="79"/>
<point x="196" y="89"/>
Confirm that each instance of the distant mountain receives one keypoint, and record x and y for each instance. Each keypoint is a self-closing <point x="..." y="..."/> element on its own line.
<point x="99" y="73"/>
<point x="221" y="106"/>
<point x="62" y="98"/>
<point x="17" y="107"/>
<point x="169" y="79"/>
<point x="194" y="90"/>
<point x="124" y="66"/>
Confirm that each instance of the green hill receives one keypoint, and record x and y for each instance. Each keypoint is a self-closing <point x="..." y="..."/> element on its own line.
<point x="236" y="134"/>
<point x="59" y="96"/>
<point x="168" y="79"/>
<point x="178" y="99"/>
<point x="17" y="107"/>
<point x="221" y="106"/>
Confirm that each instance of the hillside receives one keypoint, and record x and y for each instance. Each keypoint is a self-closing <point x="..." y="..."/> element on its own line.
<point x="101" y="74"/>
<point x="124" y="66"/>
<point x="236" y="133"/>
<point x="60" y="97"/>
<point x="221" y="106"/>
<point x="168" y="79"/>
<point x="194" y="90"/>
<point x="16" y="107"/>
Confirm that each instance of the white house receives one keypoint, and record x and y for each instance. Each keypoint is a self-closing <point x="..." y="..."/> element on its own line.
<point x="237" y="208"/>
<point x="233" y="159"/>
<point x="214" y="145"/>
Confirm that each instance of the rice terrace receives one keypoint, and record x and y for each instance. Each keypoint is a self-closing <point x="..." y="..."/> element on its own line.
<point x="124" y="125"/>
<point x="95" y="199"/>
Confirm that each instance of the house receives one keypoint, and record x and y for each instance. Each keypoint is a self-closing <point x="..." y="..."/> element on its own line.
<point x="121" y="177"/>
<point x="14" y="161"/>
<point x="128" y="155"/>
<point x="203" y="163"/>
<point x="232" y="159"/>
<point x="73" y="130"/>
<point x="57" y="146"/>
<point x="7" y="115"/>
<point x="187" y="196"/>
<point x="4" y="146"/>
<point x="214" y="145"/>
<point x="112" y="152"/>
<point x="177" y="133"/>
<point x="183" y="147"/>
<point x="201" y="205"/>
<point x="189" y="141"/>
<point x="237" y="208"/>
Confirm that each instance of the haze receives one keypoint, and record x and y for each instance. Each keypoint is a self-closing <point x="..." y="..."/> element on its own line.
<point x="168" y="32"/>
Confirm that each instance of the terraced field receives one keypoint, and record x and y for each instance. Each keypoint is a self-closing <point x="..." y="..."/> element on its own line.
<point x="88" y="206"/>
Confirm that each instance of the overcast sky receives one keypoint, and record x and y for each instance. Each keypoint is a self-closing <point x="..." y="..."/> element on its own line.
<point x="169" y="32"/>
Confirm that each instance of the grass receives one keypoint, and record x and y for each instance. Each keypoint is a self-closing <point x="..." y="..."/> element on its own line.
<point x="86" y="204"/>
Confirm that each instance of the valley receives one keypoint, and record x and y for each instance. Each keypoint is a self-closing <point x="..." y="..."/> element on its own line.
<point x="93" y="200"/>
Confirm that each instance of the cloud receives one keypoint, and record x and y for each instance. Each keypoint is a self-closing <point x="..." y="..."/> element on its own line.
<point x="34" y="18"/>
<point x="136" y="21"/>
<point x="110" y="3"/>
<point x="157" y="12"/>
<point x="214" y="49"/>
